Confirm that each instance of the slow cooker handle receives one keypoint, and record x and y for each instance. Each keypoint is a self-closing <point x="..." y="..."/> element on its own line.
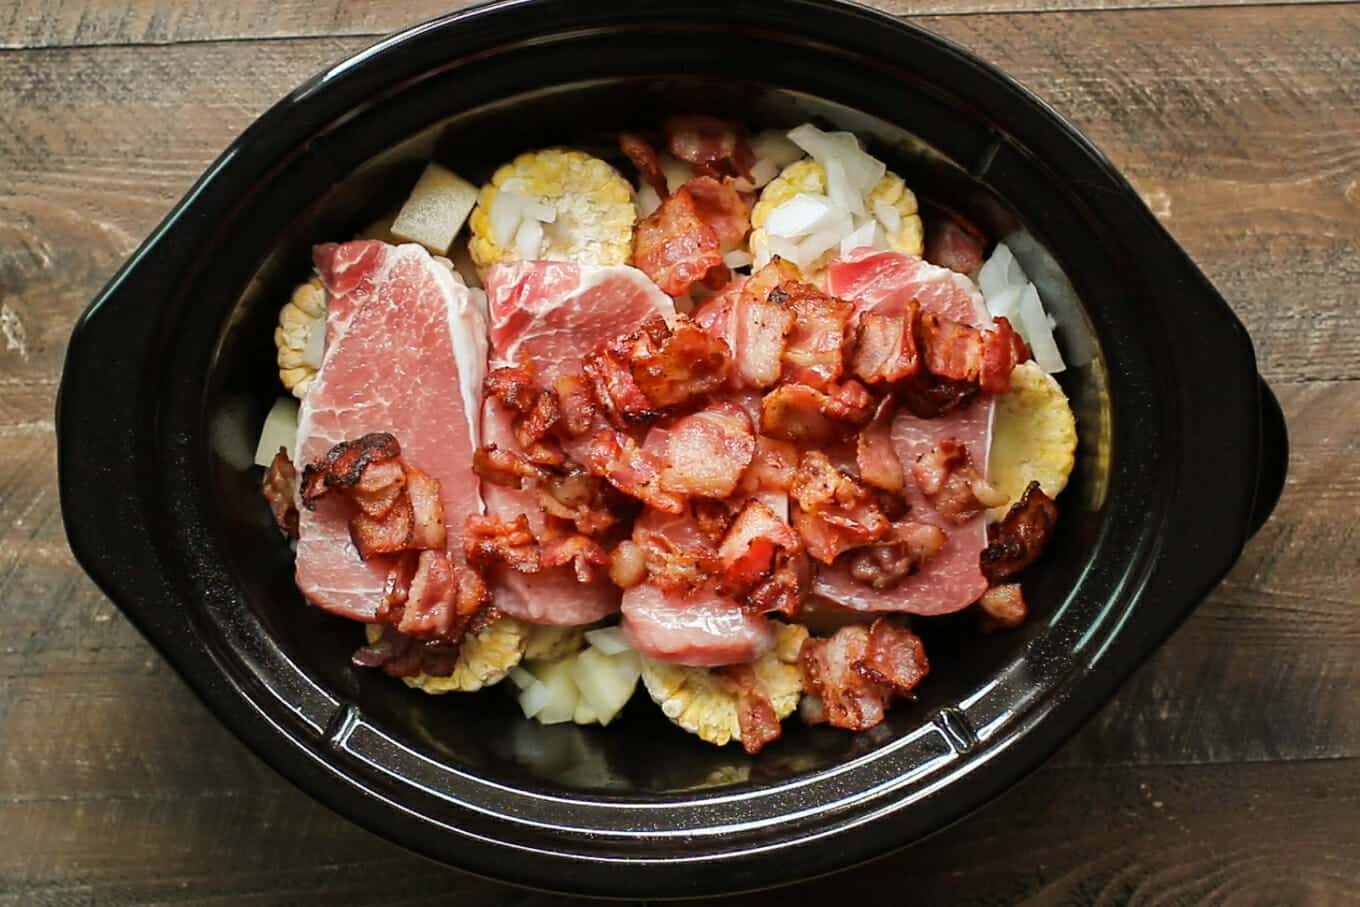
<point x="1273" y="462"/>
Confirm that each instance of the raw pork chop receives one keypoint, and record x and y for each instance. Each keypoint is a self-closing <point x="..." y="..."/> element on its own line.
<point x="700" y="627"/>
<point x="552" y="314"/>
<point x="406" y="355"/>
<point x="884" y="282"/>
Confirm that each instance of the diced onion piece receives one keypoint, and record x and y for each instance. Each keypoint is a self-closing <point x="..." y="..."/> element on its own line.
<point x="861" y="169"/>
<point x="435" y="211"/>
<point x="315" y="349"/>
<point x="522" y="678"/>
<point x="888" y="216"/>
<point x="507" y="211"/>
<point x="676" y="171"/>
<point x="774" y="146"/>
<point x="1038" y="334"/>
<point x="529" y="239"/>
<point x="584" y="714"/>
<point x="557" y="677"/>
<point x="737" y="258"/>
<point x="609" y="640"/>
<point x="1006" y="304"/>
<point x="647" y="201"/>
<point x="539" y="210"/>
<point x="1000" y="271"/>
<point x="534" y="698"/>
<point x="799" y="216"/>
<point x="606" y="681"/>
<point x="844" y="194"/>
<point x="764" y="170"/>
<point x="866" y="234"/>
<point x="280" y="430"/>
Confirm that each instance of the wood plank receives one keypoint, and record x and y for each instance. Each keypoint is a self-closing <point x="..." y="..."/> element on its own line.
<point x="86" y="23"/>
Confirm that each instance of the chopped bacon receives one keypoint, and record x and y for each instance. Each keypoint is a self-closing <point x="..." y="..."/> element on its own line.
<point x="579" y="498"/>
<point x="500" y="466"/>
<point x="617" y="458"/>
<point x="756" y="719"/>
<point x="929" y="397"/>
<point x="1003" y="607"/>
<point x="952" y="242"/>
<point x="875" y="454"/>
<point x="835" y="512"/>
<point x="615" y="390"/>
<point x="672" y="566"/>
<point x="512" y="386"/>
<point x="796" y="412"/>
<point x="531" y="431"/>
<point x="948" y="477"/>
<point x="783" y="590"/>
<point x="636" y="375"/>
<point x="1017" y="540"/>
<point x="488" y="540"/>
<point x="427" y="510"/>
<point x="392" y="532"/>
<point x="280" y="490"/>
<point x="573" y="548"/>
<point x="715" y="147"/>
<point x="771" y="467"/>
<point x="400" y="655"/>
<point x="443" y="598"/>
<point x="580" y="411"/>
<point x="855" y="673"/>
<point x="961" y="352"/>
<point x="640" y="151"/>
<point x="748" y="550"/>
<point x="723" y="208"/>
<point x="814" y="353"/>
<point x="345" y="464"/>
<point x="898" y="555"/>
<point x="707" y="452"/>
<point x="713" y="518"/>
<point x="674" y="246"/>
<point x="885" y="347"/>
<point x="759" y="328"/>
<point x="627" y="564"/>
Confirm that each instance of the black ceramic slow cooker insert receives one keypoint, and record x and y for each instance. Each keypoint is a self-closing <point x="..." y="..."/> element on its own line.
<point x="1182" y="449"/>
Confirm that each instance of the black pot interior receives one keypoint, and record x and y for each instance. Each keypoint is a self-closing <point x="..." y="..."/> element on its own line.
<point x="641" y="753"/>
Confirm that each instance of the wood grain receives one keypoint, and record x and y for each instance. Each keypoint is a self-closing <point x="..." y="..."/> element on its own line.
<point x="86" y="23"/>
<point x="1224" y="772"/>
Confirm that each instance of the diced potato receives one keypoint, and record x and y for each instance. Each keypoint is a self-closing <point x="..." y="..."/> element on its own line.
<point x="436" y="210"/>
<point x="280" y="430"/>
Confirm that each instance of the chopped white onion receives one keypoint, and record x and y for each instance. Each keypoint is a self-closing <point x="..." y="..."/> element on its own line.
<point x="561" y="704"/>
<point x="606" y="681"/>
<point x="507" y="210"/>
<point x="737" y="258"/>
<point x="866" y="234"/>
<point x="1034" y="326"/>
<point x="647" y="200"/>
<point x="775" y="147"/>
<point x="609" y="640"/>
<point x="534" y="698"/>
<point x="529" y="239"/>
<point x="522" y="678"/>
<point x="764" y="170"/>
<point x="280" y="430"/>
<point x="888" y="216"/>
<point x="844" y="194"/>
<point x="799" y="216"/>
<point x="1000" y="271"/>
<point x="584" y="714"/>
<point x="1006" y="304"/>
<point x="676" y="171"/>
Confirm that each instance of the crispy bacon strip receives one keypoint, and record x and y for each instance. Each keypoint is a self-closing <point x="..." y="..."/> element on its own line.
<point x="673" y="567"/>
<point x="616" y="458"/>
<point x="715" y="147"/>
<point x="898" y="555"/>
<point x="856" y="673"/>
<point x="948" y="477"/>
<point x="814" y="354"/>
<point x="499" y="466"/>
<point x="643" y="156"/>
<point x="674" y="246"/>
<point x="875" y="455"/>
<point x="615" y="390"/>
<point x="885" y="347"/>
<point x="537" y="411"/>
<point x="400" y="655"/>
<point x="579" y="498"/>
<point x="707" y="452"/>
<point x="772" y="466"/>
<point x="345" y="464"/>
<point x="835" y="513"/>
<point x="442" y="600"/>
<point x="573" y="548"/>
<point x="280" y="490"/>
<point x="488" y="540"/>
<point x="1003" y="607"/>
<point x="756" y="719"/>
<point x="722" y="207"/>
<point x="581" y="413"/>
<point x="960" y="352"/>
<point x="749" y="548"/>
<point x="1018" y="539"/>
<point x="783" y="590"/>
<point x="427" y="510"/>
<point x="512" y="386"/>
<point x="713" y="517"/>
<point x="796" y="412"/>
<point x="929" y="397"/>
<point x="637" y="375"/>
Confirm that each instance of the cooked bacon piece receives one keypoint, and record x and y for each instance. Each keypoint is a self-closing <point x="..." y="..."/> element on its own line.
<point x="707" y="452"/>
<point x="398" y="586"/>
<point x="814" y="353"/>
<point x="615" y="390"/>
<point x="427" y="510"/>
<point x="759" y="328"/>
<point x="953" y="484"/>
<point x="392" y="532"/>
<point x="627" y="564"/>
<point x="345" y="464"/>
<point x="531" y="430"/>
<point x="929" y="397"/>
<point x="579" y="498"/>
<point x="875" y="454"/>
<point x="713" y="517"/>
<point x="748" y="550"/>
<point x="783" y="590"/>
<point x="488" y="540"/>
<point x="674" y="246"/>
<point x="1018" y="539"/>
<point x="723" y="208"/>
<point x="898" y="555"/>
<point x="960" y="352"/>
<point x="835" y="512"/>
<point x="573" y="548"/>
<point x="443" y="599"/>
<point x="512" y="386"/>
<point x="885" y="347"/>
<point x="681" y="364"/>
<point x="855" y="673"/>
<point x="675" y="567"/>
<point x="280" y="490"/>
<point x="1003" y="607"/>
<point x="756" y="719"/>
<point x="771" y="467"/>
<point x="715" y="147"/>
<point x="503" y="467"/>
<point x="954" y="243"/>
<point x="796" y="412"/>
<point x="643" y="156"/>
<point x="400" y="655"/>
<point x="580" y="412"/>
<point x="616" y="457"/>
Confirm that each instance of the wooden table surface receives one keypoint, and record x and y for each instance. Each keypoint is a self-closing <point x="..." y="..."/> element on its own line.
<point x="1226" y="771"/>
